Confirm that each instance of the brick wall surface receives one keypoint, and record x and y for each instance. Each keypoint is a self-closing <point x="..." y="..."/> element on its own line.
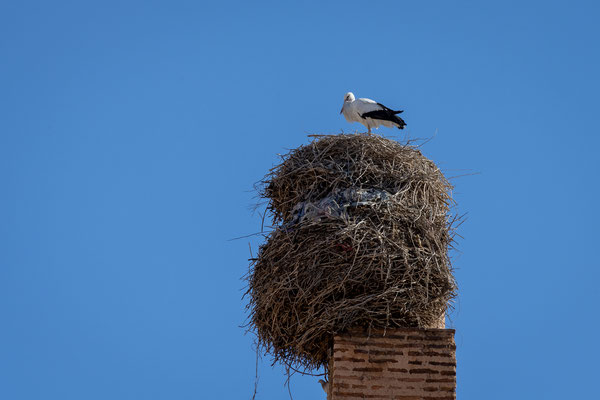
<point x="400" y="364"/>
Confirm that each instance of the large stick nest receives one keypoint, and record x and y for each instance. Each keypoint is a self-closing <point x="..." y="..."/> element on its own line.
<point x="363" y="228"/>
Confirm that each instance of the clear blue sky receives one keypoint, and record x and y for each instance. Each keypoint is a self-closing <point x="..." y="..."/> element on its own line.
<point x="131" y="134"/>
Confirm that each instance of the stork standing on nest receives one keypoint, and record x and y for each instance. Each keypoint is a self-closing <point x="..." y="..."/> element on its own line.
<point x="370" y="113"/>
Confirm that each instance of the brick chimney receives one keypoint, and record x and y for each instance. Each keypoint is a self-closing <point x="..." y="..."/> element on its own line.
<point x="399" y="364"/>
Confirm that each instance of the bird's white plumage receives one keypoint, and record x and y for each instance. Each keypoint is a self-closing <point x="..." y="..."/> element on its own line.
<point x="353" y="109"/>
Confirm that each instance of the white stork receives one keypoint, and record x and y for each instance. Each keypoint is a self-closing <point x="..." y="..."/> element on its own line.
<point x="370" y="113"/>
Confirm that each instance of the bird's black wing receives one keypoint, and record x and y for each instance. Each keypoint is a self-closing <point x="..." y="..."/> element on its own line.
<point x="389" y="109"/>
<point x="387" y="115"/>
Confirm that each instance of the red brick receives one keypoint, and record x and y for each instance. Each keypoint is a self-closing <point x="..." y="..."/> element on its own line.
<point x="374" y="365"/>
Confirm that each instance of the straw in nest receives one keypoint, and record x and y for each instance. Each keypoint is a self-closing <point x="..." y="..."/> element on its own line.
<point x="363" y="228"/>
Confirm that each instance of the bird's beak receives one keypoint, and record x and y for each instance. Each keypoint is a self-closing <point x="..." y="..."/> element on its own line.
<point x="342" y="110"/>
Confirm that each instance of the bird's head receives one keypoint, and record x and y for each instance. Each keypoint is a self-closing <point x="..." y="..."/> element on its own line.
<point x="348" y="98"/>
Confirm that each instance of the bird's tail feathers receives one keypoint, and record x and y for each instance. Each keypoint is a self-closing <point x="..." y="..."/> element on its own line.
<point x="400" y="122"/>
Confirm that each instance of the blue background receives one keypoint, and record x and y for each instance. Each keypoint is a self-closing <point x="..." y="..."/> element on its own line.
<point x="131" y="134"/>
